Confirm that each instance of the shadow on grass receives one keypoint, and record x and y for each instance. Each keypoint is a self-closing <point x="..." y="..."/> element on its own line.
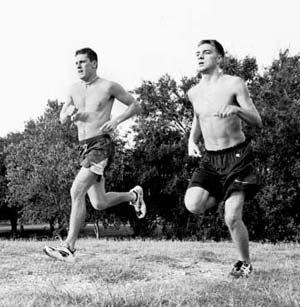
<point x="42" y="232"/>
<point x="264" y="288"/>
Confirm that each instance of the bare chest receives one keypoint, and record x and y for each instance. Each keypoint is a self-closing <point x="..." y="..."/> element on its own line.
<point x="208" y="100"/>
<point x="91" y="98"/>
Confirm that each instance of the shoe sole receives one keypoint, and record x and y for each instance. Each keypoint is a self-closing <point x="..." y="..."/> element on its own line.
<point x="70" y="259"/>
<point x="142" y="203"/>
<point x="140" y="192"/>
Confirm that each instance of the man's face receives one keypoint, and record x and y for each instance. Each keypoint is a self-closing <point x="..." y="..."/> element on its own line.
<point x="85" y="68"/>
<point x="208" y="57"/>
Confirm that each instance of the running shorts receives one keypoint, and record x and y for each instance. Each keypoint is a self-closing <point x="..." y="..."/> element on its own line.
<point x="96" y="153"/>
<point x="225" y="171"/>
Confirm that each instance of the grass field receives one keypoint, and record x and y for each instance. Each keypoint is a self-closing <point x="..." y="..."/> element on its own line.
<point x="147" y="273"/>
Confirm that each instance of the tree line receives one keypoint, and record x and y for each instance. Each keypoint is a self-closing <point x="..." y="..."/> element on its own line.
<point x="37" y="166"/>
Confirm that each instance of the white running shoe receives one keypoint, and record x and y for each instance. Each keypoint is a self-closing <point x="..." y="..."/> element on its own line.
<point x="241" y="269"/>
<point x="62" y="253"/>
<point x="139" y="204"/>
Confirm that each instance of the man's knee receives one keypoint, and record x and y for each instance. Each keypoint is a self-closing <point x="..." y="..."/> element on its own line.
<point x="77" y="193"/>
<point x="234" y="210"/>
<point x="195" y="202"/>
<point x="99" y="204"/>
<point x="84" y="179"/>
<point x="99" y="201"/>
<point x="232" y="220"/>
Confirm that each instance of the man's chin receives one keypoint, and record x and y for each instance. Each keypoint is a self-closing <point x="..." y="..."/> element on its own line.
<point x="82" y="77"/>
<point x="202" y="69"/>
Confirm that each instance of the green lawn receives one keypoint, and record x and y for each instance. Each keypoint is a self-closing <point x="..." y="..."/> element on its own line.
<point x="147" y="273"/>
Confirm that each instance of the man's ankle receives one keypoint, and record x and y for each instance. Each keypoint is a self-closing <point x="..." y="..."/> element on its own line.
<point x="134" y="196"/>
<point x="69" y="246"/>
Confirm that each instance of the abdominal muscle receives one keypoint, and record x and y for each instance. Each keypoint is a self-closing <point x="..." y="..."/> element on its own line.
<point x="90" y="123"/>
<point x="221" y="133"/>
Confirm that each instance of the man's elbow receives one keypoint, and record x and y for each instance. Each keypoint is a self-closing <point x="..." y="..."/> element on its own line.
<point x="137" y="108"/>
<point x="259" y="123"/>
<point x="62" y="119"/>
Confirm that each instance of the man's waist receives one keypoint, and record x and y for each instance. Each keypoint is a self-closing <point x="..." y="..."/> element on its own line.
<point x="232" y="147"/>
<point x="94" y="138"/>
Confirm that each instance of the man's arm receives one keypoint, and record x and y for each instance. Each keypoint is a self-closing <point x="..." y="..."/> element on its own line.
<point x="67" y="110"/>
<point x="195" y="133"/>
<point x="124" y="97"/>
<point x="245" y="109"/>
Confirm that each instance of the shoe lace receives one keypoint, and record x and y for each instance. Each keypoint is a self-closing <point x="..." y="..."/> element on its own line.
<point x="62" y="242"/>
<point x="237" y="266"/>
<point x="245" y="269"/>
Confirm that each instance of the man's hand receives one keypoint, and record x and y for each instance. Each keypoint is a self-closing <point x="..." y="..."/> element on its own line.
<point x="194" y="150"/>
<point x="74" y="115"/>
<point x="226" y="111"/>
<point x="109" y="126"/>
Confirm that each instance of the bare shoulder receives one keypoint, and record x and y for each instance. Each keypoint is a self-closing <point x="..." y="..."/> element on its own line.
<point x="74" y="88"/>
<point x="192" y="92"/>
<point x="235" y="84"/>
<point x="109" y="85"/>
<point x="234" y="81"/>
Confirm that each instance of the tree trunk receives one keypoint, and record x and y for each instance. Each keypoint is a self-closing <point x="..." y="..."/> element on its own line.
<point x="14" y="222"/>
<point x="51" y="227"/>
<point x="97" y="229"/>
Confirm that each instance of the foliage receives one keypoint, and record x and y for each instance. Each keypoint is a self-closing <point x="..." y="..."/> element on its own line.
<point x="40" y="168"/>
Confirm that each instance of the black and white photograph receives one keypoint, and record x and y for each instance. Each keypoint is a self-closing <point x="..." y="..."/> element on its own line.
<point x="150" y="153"/>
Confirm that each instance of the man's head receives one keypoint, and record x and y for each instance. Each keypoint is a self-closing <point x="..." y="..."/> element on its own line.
<point x="86" y="61"/>
<point x="210" y="54"/>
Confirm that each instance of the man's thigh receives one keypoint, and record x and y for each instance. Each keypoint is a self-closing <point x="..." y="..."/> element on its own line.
<point x="196" y="195"/>
<point x="84" y="180"/>
<point x="96" y="192"/>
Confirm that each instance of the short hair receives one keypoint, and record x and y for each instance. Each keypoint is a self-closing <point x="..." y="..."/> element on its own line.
<point x="91" y="54"/>
<point x="214" y="43"/>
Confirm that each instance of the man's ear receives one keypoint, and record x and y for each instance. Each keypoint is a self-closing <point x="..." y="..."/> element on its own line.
<point x="94" y="64"/>
<point x="220" y="60"/>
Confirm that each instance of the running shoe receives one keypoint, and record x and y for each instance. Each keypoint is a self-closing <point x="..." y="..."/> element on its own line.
<point x="139" y="204"/>
<point x="241" y="269"/>
<point x="62" y="253"/>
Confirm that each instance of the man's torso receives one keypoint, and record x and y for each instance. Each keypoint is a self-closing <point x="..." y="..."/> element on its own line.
<point x="94" y="102"/>
<point x="218" y="133"/>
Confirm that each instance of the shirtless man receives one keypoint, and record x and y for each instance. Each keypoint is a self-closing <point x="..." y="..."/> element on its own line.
<point x="89" y="104"/>
<point x="225" y="173"/>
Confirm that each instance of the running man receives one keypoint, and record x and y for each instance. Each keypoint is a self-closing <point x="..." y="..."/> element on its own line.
<point x="225" y="172"/>
<point x="89" y="104"/>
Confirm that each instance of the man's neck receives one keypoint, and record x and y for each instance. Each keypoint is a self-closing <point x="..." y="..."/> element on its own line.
<point x="91" y="79"/>
<point x="212" y="76"/>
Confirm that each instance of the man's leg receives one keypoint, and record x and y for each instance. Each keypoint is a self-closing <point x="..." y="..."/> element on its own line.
<point x="101" y="200"/>
<point x="197" y="200"/>
<point x="233" y="218"/>
<point x="83" y="181"/>
<point x="239" y="234"/>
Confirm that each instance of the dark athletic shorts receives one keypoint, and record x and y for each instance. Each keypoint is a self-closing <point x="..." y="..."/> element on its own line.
<point x="225" y="171"/>
<point x="96" y="153"/>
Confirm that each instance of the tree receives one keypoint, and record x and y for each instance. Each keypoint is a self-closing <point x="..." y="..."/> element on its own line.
<point x="40" y="168"/>
<point x="277" y="93"/>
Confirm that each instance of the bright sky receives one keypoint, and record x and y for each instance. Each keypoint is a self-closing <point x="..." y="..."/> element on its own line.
<point x="135" y="40"/>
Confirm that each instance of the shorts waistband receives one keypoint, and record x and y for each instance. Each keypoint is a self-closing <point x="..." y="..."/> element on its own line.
<point x="229" y="149"/>
<point x="94" y="138"/>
